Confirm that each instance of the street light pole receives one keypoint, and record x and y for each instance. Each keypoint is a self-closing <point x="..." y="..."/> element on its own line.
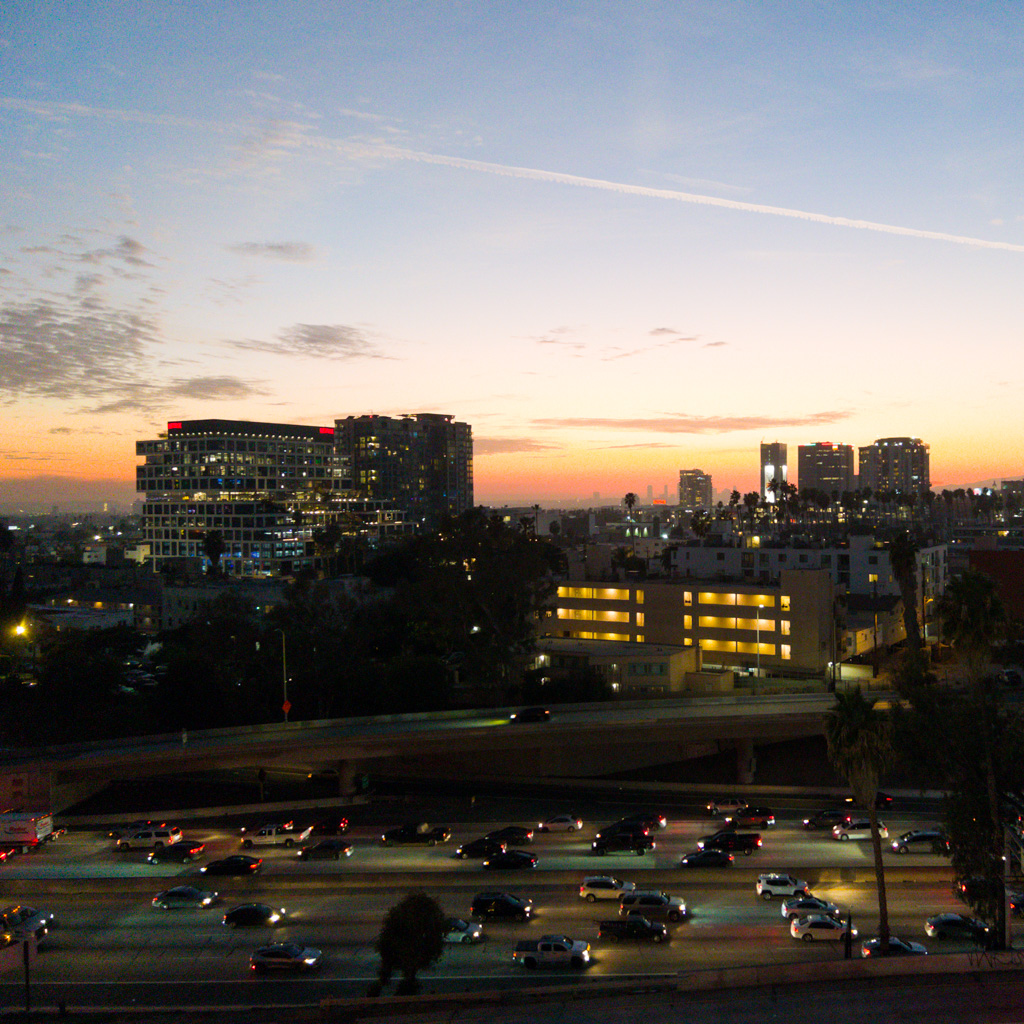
<point x="757" y="675"/>
<point x="285" y="705"/>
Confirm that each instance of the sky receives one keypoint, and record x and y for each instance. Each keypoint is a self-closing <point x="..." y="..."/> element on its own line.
<point x="618" y="239"/>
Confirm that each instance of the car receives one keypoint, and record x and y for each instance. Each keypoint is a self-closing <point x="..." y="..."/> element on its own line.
<point x="335" y="825"/>
<point x="725" y="805"/>
<point x="819" y="926"/>
<point x="707" y="858"/>
<point x="637" y="843"/>
<point x="22" y="922"/>
<point x="493" y="905"/>
<point x="826" y="818"/>
<point x="958" y="926"/>
<point x="777" y="884"/>
<point x="526" y="715"/>
<point x="482" y="847"/>
<point x="180" y="853"/>
<point x="621" y="826"/>
<point x="510" y="860"/>
<point x="463" y="932"/>
<point x="153" y="837"/>
<point x="897" y="947"/>
<point x="752" y="817"/>
<point x="921" y="840"/>
<point x="121" y="831"/>
<point x="561" y="823"/>
<point x="652" y="904"/>
<point x="237" y="864"/>
<point x="732" y="842"/>
<point x="184" y="897"/>
<point x="416" y="833"/>
<point x="274" y="835"/>
<point x="604" y="887"/>
<point x="633" y="926"/>
<point x="979" y="890"/>
<point x="803" y="906"/>
<point x="285" y="958"/>
<point x="511" y="835"/>
<point x="882" y="800"/>
<point x="858" y="828"/>
<point x="326" y="849"/>
<point x="254" y="915"/>
<point x="649" y="820"/>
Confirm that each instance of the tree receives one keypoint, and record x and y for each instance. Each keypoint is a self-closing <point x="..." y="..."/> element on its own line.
<point x="411" y="939"/>
<point x="630" y="501"/>
<point x="903" y="560"/>
<point x="213" y="548"/>
<point x="860" y="746"/>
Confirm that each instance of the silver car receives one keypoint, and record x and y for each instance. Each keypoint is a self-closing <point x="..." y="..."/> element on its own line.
<point x="285" y="958"/>
<point x="801" y="906"/>
<point x="604" y="887"/>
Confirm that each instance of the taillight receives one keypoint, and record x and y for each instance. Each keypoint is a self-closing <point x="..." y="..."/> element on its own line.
<point x="760" y="842"/>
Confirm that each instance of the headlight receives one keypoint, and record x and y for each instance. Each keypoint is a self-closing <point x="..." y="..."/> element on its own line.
<point x="274" y="918"/>
<point x="309" y="960"/>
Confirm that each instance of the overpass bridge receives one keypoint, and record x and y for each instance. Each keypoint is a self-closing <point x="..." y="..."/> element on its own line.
<point x="578" y="740"/>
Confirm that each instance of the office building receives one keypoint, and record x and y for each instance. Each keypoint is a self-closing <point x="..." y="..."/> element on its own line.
<point x="774" y="468"/>
<point x="422" y="464"/>
<point x="826" y="467"/>
<point x="897" y="464"/>
<point x="694" y="488"/>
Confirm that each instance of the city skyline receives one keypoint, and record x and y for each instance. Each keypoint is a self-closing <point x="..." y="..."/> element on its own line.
<point x="618" y="243"/>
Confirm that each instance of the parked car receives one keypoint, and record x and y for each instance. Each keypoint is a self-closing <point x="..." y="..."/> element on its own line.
<point x="752" y="817"/>
<point x="285" y="958"/>
<point x="254" y="915"/>
<point x="482" y="847"/>
<point x="526" y="715"/>
<point x="826" y="818"/>
<point x="637" y="843"/>
<point x="858" y="828"/>
<point x="463" y="932"/>
<point x="491" y="905"/>
<point x="819" y="926"/>
<point x="604" y="887"/>
<point x="633" y="926"/>
<point x="415" y="833"/>
<point x="653" y="905"/>
<point x="897" y="947"/>
<point x="921" y="840"/>
<point x="775" y="884"/>
<point x="561" y="823"/>
<point x="237" y="864"/>
<point x="510" y="860"/>
<point x="804" y="905"/>
<point x="958" y="926"/>
<point x="184" y="897"/>
<point x="707" y="858"/>
<point x="511" y="835"/>
<point x="326" y="849"/>
<point x="180" y="853"/>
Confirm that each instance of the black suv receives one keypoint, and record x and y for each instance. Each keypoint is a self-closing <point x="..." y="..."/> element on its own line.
<point x="738" y="842"/>
<point x="488" y="906"/>
<point x="623" y="842"/>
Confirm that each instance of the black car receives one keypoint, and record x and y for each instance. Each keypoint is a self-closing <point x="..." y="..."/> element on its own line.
<point x="254" y="915"/>
<point x="478" y="848"/>
<point x="978" y="890"/>
<point x="634" y="926"/>
<point x="326" y="849"/>
<point x="731" y="842"/>
<point x="827" y="818"/>
<point x="236" y="864"/>
<point x="415" y="833"/>
<point x="621" y="825"/>
<point x="752" y="817"/>
<point x="336" y="825"/>
<point x="510" y="860"/>
<point x="707" y="858"/>
<point x="637" y="843"/>
<point x="179" y="853"/>
<point x="511" y="835"/>
<point x="494" y="905"/>
<point x="958" y="926"/>
<point x="921" y="840"/>
<point x="649" y="820"/>
<point x="524" y="715"/>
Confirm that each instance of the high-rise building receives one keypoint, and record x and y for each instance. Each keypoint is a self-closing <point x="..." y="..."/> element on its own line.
<point x="825" y="467"/>
<point x="774" y="459"/>
<point x="895" y="464"/>
<point x="694" y="488"/>
<point x="422" y="464"/>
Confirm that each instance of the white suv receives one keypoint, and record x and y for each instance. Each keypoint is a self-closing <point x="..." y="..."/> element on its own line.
<point x="153" y="837"/>
<point x="858" y="828"/>
<point x="774" y="884"/>
<point x="604" y="887"/>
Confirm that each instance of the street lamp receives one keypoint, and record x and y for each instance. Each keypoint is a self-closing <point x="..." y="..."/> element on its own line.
<point x="285" y="704"/>
<point x="757" y="675"/>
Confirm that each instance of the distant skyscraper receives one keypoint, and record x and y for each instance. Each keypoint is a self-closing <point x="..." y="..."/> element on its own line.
<point x="826" y="467"/>
<point x="774" y="459"/>
<point x="694" y="488"/>
<point x="895" y="464"/>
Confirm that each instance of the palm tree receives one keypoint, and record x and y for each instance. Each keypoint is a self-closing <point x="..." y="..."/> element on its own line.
<point x="630" y="501"/>
<point x="903" y="560"/>
<point x="860" y="747"/>
<point x="213" y="548"/>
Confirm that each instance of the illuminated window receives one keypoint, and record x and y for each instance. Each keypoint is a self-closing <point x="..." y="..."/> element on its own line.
<point x="784" y="602"/>
<point x="715" y="622"/>
<point x="784" y="627"/>
<point x="872" y="577"/>
<point x="765" y="625"/>
<point x="574" y="613"/>
<point x="687" y="622"/>
<point x="611" y="594"/>
<point x="687" y="598"/>
<point x="639" y="638"/>
<point x="767" y="650"/>
<point x="754" y="600"/>
<point x="707" y="597"/>
<point x="785" y="652"/>
<point x="639" y="618"/>
<point x="727" y="646"/>
<point x="611" y="616"/>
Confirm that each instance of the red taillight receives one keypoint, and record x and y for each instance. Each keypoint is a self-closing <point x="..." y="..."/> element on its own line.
<point x="760" y="842"/>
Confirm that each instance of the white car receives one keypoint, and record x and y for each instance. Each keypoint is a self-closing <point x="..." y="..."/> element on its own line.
<point x="459" y="931"/>
<point x="818" y="926"/>
<point x="802" y="906"/>
<point x="858" y="828"/>
<point x="561" y="823"/>
<point x="604" y="887"/>
<point x="776" y="884"/>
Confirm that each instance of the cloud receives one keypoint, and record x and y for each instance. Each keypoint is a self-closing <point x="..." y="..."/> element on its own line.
<point x="61" y="430"/>
<point x="290" y="252"/>
<point x="316" y="341"/>
<point x="144" y="396"/>
<point x="672" y="339"/>
<point x="509" y="445"/>
<point x="715" y="344"/>
<point x="682" y="424"/>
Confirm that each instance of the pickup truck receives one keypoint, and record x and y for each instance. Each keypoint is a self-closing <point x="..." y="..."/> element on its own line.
<point x="275" y="835"/>
<point x="416" y="833"/>
<point x="552" y="951"/>
<point x="735" y="842"/>
<point x="635" y="926"/>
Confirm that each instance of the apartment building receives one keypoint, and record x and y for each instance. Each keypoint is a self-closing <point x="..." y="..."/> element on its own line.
<point x="826" y="467"/>
<point x="695" y="489"/>
<point x="895" y="464"/>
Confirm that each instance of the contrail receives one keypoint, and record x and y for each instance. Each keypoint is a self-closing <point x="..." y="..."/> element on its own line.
<point x="382" y="150"/>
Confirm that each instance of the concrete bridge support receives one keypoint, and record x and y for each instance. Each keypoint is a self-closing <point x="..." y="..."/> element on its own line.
<point x="746" y="762"/>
